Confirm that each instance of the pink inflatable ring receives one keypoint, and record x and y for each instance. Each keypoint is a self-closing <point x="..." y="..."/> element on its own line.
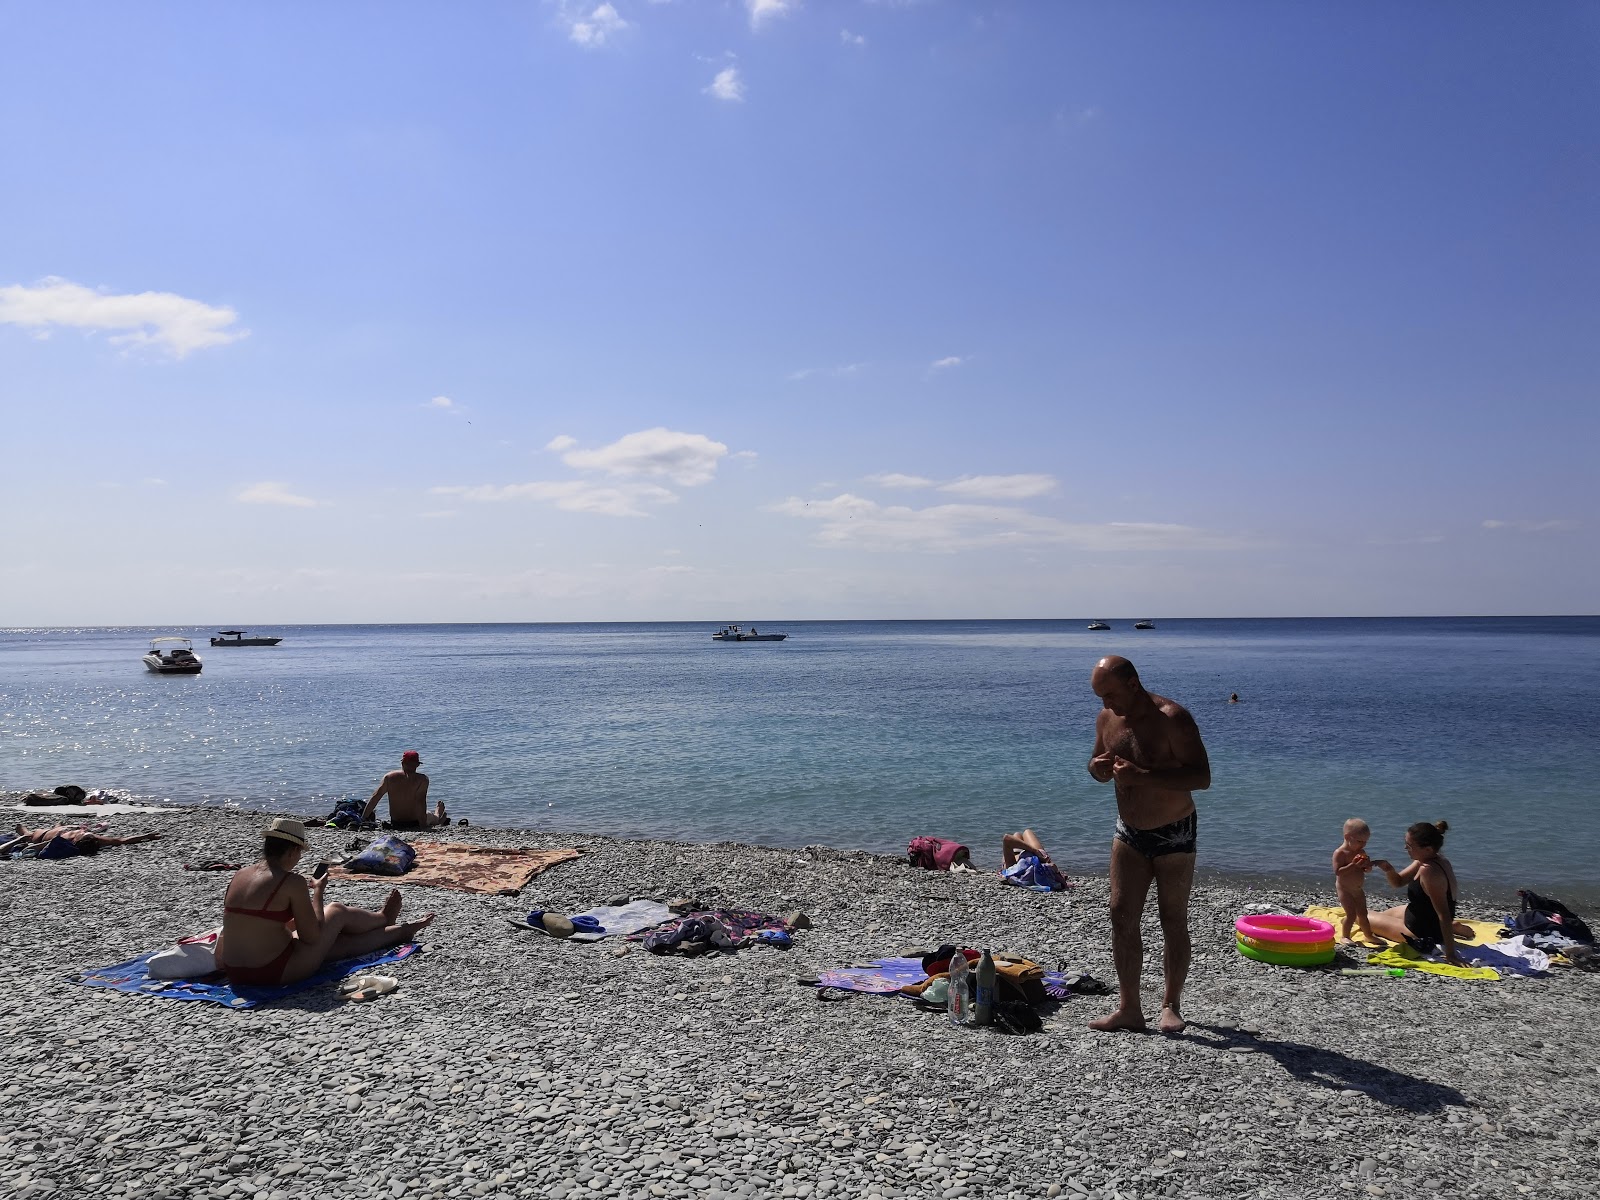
<point x="1280" y="929"/>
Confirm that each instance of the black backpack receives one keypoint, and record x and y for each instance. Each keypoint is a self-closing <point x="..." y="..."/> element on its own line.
<point x="1540" y="914"/>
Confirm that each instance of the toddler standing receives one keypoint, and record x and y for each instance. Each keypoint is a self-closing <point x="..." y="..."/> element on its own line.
<point x="1350" y="865"/>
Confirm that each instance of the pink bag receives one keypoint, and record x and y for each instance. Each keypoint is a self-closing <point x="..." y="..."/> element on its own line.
<point x="936" y="853"/>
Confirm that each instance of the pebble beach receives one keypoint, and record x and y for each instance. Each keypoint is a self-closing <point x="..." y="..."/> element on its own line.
<point x="513" y="1065"/>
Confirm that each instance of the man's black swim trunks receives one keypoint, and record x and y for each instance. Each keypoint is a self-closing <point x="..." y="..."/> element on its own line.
<point x="1176" y="838"/>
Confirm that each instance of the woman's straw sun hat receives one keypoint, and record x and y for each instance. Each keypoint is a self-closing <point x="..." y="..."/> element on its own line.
<point x="289" y="830"/>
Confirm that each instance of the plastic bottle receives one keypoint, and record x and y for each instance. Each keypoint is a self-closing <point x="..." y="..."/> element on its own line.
<point x="983" y="1009"/>
<point x="1391" y="972"/>
<point x="959" y="1005"/>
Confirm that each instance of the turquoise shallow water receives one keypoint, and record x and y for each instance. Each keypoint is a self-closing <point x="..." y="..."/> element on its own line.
<point x="858" y="734"/>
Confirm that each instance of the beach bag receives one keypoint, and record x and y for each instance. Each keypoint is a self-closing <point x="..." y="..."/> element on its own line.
<point x="935" y="853"/>
<point x="386" y="856"/>
<point x="347" y="813"/>
<point x="71" y="793"/>
<point x="1542" y="913"/>
<point x="193" y="957"/>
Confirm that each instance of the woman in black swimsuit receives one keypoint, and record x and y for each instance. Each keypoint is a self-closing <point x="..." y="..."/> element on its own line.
<point x="1427" y="918"/>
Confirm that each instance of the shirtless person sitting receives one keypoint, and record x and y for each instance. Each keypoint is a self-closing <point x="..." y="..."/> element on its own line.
<point x="1151" y="747"/>
<point x="407" y="790"/>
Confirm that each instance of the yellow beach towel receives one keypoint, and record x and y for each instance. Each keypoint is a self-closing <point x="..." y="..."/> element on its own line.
<point x="1405" y="956"/>
<point x="1484" y="933"/>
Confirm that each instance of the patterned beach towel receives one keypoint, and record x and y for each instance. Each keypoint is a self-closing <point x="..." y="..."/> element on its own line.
<point x="134" y="976"/>
<point x="491" y="870"/>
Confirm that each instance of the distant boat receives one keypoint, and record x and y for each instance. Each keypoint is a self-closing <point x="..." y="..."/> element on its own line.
<point x="733" y="633"/>
<point x="1098" y="625"/>
<point x="172" y="656"/>
<point x="1144" y="624"/>
<point x="236" y="637"/>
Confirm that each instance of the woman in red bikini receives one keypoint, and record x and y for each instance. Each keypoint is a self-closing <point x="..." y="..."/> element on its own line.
<point x="276" y="928"/>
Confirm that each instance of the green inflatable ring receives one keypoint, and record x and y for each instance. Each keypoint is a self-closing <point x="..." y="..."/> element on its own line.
<point x="1321" y="959"/>
<point x="1297" y="949"/>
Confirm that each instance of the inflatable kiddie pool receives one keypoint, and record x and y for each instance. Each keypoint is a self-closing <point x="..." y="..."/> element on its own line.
<point x="1285" y="941"/>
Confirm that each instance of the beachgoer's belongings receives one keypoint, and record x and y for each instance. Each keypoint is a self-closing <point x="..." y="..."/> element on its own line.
<point x="715" y="930"/>
<point x="215" y="864"/>
<point x="1550" y="924"/>
<point x="608" y="920"/>
<point x="386" y="856"/>
<point x="936" y="853"/>
<point x="1032" y="872"/>
<point x="134" y="976"/>
<point x="491" y="870"/>
<point x="194" y="957"/>
<point x="1021" y="985"/>
<point x="67" y="795"/>
<point x="347" y="814"/>
<point x="1285" y="941"/>
<point x="367" y="987"/>
<point x="1404" y="956"/>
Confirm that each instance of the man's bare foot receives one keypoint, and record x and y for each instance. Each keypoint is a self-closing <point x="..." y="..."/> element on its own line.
<point x="1132" y="1021"/>
<point x="412" y="928"/>
<point x="391" y="906"/>
<point x="1171" y="1022"/>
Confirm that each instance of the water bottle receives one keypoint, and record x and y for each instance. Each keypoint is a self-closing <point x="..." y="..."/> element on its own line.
<point x="958" y="989"/>
<point x="983" y="1010"/>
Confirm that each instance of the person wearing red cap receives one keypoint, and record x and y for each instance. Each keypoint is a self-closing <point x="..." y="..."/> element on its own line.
<point x="407" y="790"/>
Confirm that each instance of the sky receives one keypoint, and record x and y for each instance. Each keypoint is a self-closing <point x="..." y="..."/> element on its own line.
<point x="752" y="310"/>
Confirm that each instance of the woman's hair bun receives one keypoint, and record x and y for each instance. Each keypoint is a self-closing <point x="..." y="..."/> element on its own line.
<point x="1442" y="826"/>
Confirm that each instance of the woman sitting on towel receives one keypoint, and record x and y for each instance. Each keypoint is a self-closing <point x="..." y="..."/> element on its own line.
<point x="276" y="928"/>
<point x="1427" y="920"/>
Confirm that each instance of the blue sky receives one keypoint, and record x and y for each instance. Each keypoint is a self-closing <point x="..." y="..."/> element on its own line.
<point x="754" y="310"/>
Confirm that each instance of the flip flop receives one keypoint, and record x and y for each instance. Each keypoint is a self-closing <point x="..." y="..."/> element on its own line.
<point x="368" y="987"/>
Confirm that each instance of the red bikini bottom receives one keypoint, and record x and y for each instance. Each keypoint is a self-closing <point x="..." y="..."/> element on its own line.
<point x="266" y="975"/>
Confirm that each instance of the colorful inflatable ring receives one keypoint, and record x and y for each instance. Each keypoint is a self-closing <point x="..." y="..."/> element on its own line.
<point x="1285" y="948"/>
<point x="1275" y="928"/>
<point x="1295" y="953"/>
<point x="1288" y="960"/>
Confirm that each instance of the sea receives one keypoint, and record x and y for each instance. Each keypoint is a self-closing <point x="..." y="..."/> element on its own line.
<point x="859" y="734"/>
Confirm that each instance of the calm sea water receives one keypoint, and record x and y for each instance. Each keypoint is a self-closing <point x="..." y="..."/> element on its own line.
<point x="858" y="734"/>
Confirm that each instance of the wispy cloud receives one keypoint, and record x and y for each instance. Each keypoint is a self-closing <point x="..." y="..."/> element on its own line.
<point x="944" y="364"/>
<point x="441" y="402"/>
<point x="561" y="442"/>
<point x="1000" y="487"/>
<point x="851" y="39"/>
<point x="595" y="28"/>
<point x="274" y="493"/>
<point x="164" y="321"/>
<point x="840" y="372"/>
<point x="764" y="11"/>
<point x="855" y="522"/>
<point x="726" y="86"/>
<point x="570" y="495"/>
<point x="687" y="459"/>
<point x="1558" y="526"/>
<point x="893" y="479"/>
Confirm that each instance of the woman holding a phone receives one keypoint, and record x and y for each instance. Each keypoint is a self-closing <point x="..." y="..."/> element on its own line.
<point x="276" y="929"/>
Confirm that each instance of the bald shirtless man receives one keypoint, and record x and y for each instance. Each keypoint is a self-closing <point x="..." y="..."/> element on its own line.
<point x="407" y="789"/>
<point x="1151" y="747"/>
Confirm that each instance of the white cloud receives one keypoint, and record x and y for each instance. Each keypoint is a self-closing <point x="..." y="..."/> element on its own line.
<point x="726" y="86"/>
<point x="748" y="455"/>
<point x="561" y="442"/>
<point x="1532" y="526"/>
<point x="570" y="495"/>
<point x="854" y="522"/>
<point x="1000" y="487"/>
<point x="762" y="11"/>
<point x="165" y="321"/>
<point x="838" y="372"/>
<point x="851" y="39"/>
<point x="274" y="493"/>
<point x="597" y="28"/>
<point x="893" y="479"/>
<point x="441" y="402"/>
<point x="944" y="364"/>
<point x="687" y="459"/>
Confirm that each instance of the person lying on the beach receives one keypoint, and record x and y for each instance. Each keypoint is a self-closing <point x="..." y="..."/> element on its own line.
<point x="86" y="839"/>
<point x="1350" y="866"/>
<point x="1427" y="919"/>
<point x="276" y="929"/>
<point x="1016" y="846"/>
<point x="407" y="790"/>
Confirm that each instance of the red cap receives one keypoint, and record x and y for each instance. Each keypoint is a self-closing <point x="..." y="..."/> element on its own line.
<point x="411" y="756"/>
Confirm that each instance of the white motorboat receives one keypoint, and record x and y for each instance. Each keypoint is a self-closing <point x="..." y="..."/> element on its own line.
<point x="735" y="633"/>
<point x="1098" y="625"/>
<point x="1144" y="624"/>
<point x="172" y="656"/>
<point x="236" y="637"/>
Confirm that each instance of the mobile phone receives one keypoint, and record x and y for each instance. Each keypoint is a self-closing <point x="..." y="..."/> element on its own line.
<point x="319" y="870"/>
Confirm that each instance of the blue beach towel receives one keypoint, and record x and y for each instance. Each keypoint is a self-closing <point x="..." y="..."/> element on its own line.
<point x="134" y="976"/>
<point x="1033" y="873"/>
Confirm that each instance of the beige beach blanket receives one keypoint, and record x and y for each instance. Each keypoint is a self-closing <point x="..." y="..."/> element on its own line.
<point x="493" y="870"/>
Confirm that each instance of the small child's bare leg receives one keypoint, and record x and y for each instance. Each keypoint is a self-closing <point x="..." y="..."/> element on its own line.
<point x="1344" y="927"/>
<point x="1365" y="925"/>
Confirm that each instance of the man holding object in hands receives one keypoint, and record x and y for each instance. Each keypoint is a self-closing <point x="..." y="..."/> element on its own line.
<point x="1151" y="748"/>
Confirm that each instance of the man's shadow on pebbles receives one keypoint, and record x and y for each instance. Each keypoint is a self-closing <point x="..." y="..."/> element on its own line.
<point x="1332" y="1070"/>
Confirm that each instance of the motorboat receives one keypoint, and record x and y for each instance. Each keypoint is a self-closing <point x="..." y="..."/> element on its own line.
<point x="735" y="633"/>
<point x="236" y="637"/>
<point x="172" y="656"/>
<point x="1098" y="625"/>
<point x="1144" y="624"/>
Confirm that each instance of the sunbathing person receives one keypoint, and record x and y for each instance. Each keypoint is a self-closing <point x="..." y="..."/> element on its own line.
<point x="87" y="839"/>
<point x="276" y="928"/>
<point x="1427" y="919"/>
<point x="1014" y="845"/>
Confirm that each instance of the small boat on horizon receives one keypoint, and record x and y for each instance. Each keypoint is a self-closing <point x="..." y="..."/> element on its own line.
<point x="236" y="637"/>
<point x="1144" y="624"/>
<point x="734" y="633"/>
<point x="172" y="656"/>
<point x="1098" y="625"/>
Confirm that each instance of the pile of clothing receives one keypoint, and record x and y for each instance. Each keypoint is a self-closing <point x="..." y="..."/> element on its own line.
<point x="721" y="930"/>
<point x="1549" y="925"/>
